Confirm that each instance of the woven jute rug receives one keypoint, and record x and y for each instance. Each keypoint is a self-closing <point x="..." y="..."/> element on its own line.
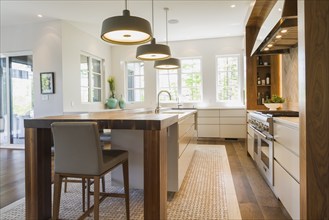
<point x="207" y="192"/>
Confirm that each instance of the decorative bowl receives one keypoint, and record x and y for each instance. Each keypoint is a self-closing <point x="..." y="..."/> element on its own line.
<point x="273" y="106"/>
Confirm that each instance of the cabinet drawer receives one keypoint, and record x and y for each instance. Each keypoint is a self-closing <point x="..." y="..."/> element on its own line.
<point x="232" y="113"/>
<point x="287" y="189"/>
<point x="250" y="131"/>
<point x="208" y="130"/>
<point x="287" y="136"/>
<point x="287" y="159"/>
<point x="208" y="113"/>
<point x="251" y="146"/>
<point x="232" y="131"/>
<point x="185" y="140"/>
<point x="208" y="121"/>
<point x="232" y="121"/>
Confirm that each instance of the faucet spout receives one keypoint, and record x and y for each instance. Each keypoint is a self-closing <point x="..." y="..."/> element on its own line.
<point x="157" y="110"/>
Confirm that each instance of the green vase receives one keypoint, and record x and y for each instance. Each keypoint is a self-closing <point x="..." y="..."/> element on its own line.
<point x="112" y="103"/>
<point x="122" y="103"/>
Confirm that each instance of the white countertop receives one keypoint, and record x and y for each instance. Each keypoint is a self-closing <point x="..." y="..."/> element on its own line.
<point x="292" y="121"/>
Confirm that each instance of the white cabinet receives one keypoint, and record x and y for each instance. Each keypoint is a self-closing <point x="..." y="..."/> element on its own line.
<point x="208" y="123"/>
<point x="287" y="189"/>
<point x="251" y="140"/>
<point x="222" y="123"/>
<point x="286" y="166"/>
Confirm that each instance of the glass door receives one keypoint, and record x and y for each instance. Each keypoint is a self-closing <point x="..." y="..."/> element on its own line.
<point x="16" y="97"/>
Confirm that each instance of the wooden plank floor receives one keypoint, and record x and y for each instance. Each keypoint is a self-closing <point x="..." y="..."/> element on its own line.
<point x="256" y="200"/>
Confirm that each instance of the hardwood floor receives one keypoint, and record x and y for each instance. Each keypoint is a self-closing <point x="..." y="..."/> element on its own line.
<point x="256" y="200"/>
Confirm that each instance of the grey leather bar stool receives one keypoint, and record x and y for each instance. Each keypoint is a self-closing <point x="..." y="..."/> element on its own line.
<point x="78" y="154"/>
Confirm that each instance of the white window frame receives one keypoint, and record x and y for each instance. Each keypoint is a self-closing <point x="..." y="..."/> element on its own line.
<point x="240" y="79"/>
<point x="91" y="86"/>
<point x="179" y="82"/>
<point x="126" y="82"/>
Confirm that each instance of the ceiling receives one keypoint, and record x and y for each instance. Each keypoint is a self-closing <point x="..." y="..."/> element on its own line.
<point x="197" y="19"/>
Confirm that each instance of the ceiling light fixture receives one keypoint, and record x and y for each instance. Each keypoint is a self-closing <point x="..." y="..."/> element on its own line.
<point x="126" y="29"/>
<point x="284" y="31"/>
<point x="278" y="36"/>
<point x="266" y="49"/>
<point x="153" y="51"/>
<point x="270" y="45"/>
<point x="171" y="63"/>
<point x="233" y="6"/>
<point x="40" y="15"/>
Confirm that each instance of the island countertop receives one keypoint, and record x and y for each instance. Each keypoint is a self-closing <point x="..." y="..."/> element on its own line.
<point x="138" y="120"/>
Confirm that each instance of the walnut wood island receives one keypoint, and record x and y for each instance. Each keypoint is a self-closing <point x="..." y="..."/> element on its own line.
<point x="38" y="143"/>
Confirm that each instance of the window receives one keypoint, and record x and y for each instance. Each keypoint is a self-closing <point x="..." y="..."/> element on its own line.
<point x="135" y="81"/>
<point x="228" y="79"/>
<point x="185" y="82"/>
<point x="91" y="78"/>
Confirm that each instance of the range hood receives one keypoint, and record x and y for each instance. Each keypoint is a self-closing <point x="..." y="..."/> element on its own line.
<point x="283" y="35"/>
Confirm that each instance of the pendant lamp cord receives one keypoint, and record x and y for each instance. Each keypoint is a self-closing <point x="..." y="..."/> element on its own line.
<point x="166" y="9"/>
<point x="126" y="4"/>
<point x="153" y="16"/>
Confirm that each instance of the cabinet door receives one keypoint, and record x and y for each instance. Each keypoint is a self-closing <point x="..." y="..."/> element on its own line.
<point x="287" y="136"/>
<point x="232" y="131"/>
<point x="232" y="120"/>
<point x="251" y="146"/>
<point x="287" y="190"/>
<point x="287" y="159"/>
<point x="208" y="113"/>
<point x="208" y="130"/>
<point x="232" y="113"/>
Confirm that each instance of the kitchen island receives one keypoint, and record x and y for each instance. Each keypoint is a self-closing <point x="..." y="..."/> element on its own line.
<point x="38" y="141"/>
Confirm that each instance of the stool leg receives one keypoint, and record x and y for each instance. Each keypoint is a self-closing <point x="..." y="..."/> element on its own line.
<point x="126" y="187"/>
<point x="83" y="194"/>
<point x="57" y="195"/>
<point x="88" y="193"/>
<point x="96" y="197"/>
<point x="65" y="184"/>
<point x="103" y="183"/>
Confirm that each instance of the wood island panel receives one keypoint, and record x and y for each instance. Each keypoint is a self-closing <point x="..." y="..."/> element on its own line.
<point x="38" y="141"/>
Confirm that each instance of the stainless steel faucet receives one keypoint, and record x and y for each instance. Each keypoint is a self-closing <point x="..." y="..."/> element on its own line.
<point x="157" y="110"/>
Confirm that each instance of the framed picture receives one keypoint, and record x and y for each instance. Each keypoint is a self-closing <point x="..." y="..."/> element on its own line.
<point x="47" y="83"/>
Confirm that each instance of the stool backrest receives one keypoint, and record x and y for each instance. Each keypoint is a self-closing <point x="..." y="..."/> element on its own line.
<point x="77" y="148"/>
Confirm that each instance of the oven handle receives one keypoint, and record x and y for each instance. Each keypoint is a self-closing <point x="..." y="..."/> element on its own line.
<point x="260" y="133"/>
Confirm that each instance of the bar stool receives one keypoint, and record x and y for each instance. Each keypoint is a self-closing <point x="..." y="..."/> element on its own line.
<point x="78" y="154"/>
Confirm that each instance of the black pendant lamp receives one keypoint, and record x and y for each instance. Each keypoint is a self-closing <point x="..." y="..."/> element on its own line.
<point x="171" y="63"/>
<point x="126" y="29"/>
<point x="153" y="51"/>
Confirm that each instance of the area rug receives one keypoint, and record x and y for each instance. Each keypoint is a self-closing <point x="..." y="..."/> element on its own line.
<point x="207" y="192"/>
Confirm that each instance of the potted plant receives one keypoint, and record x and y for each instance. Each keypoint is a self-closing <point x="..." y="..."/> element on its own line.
<point x="274" y="103"/>
<point x="111" y="101"/>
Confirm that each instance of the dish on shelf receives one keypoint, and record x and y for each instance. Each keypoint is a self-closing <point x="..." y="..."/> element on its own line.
<point x="273" y="106"/>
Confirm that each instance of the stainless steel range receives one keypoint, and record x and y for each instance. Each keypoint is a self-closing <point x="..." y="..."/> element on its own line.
<point x="261" y="123"/>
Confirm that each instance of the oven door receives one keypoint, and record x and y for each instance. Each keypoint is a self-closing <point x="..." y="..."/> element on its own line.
<point x="265" y="156"/>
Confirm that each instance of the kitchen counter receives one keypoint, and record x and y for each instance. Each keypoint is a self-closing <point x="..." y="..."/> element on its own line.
<point x="292" y="121"/>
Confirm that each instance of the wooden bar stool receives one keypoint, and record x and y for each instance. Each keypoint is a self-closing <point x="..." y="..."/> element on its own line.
<point x="78" y="154"/>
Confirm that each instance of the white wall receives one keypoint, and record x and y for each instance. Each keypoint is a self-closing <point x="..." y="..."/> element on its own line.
<point x="207" y="49"/>
<point x="44" y="41"/>
<point x="56" y="47"/>
<point x="75" y="41"/>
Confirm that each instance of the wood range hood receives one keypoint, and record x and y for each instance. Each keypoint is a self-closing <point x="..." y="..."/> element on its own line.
<point x="284" y="35"/>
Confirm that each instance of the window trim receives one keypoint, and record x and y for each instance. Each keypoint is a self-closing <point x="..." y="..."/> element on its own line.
<point x="90" y="74"/>
<point x="240" y="79"/>
<point x="126" y="82"/>
<point x="179" y="82"/>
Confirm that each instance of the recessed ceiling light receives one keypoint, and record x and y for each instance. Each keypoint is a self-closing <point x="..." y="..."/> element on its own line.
<point x="280" y="9"/>
<point x="278" y="36"/>
<point x="173" y="21"/>
<point x="266" y="49"/>
<point x="40" y="15"/>
<point x="284" y="31"/>
<point x="233" y="6"/>
<point x="270" y="45"/>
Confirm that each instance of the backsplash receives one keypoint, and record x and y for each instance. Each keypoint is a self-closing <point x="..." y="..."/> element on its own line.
<point x="290" y="79"/>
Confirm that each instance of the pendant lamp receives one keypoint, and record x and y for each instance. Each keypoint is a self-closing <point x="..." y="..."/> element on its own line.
<point x="153" y="51"/>
<point x="126" y="29"/>
<point x="171" y="63"/>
